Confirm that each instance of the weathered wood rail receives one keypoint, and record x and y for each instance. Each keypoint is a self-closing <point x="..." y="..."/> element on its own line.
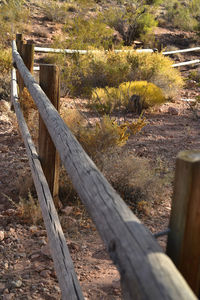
<point x="62" y="260"/>
<point x="145" y="271"/>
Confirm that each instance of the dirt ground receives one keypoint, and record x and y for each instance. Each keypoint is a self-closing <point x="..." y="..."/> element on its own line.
<point x="26" y="267"/>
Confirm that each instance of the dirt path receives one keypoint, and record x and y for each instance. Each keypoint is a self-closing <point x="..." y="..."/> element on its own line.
<point x="26" y="268"/>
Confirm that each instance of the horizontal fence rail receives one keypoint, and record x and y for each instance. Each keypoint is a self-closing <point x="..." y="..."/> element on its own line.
<point x="185" y="63"/>
<point x="146" y="272"/>
<point x="67" y="278"/>
<point x="71" y="51"/>
<point x="181" y="51"/>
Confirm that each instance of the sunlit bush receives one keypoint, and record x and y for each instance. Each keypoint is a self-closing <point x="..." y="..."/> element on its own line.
<point x="109" y="69"/>
<point x="107" y="99"/>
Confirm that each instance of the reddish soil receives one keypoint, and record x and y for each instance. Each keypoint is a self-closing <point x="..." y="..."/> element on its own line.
<point x="26" y="268"/>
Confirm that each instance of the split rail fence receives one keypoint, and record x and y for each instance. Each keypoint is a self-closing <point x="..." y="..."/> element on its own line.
<point x="145" y="271"/>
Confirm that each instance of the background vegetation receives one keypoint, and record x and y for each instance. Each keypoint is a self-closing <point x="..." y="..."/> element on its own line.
<point x="183" y="14"/>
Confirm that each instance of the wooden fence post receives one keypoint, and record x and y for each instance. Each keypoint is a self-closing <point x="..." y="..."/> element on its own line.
<point x="49" y="82"/>
<point x="27" y="54"/>
<point x="26" y="50"/>
<point x="19" y="39"/>
<point x="184" y="238"/>
<point x="19" y="43"/>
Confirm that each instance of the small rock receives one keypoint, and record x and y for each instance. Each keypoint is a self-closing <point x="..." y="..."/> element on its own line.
<point x="191" y="83"/>
<point x="6" y="265"/>
<point x="57" y="289"/>
<point x="10" y="296"/>
<point x="2" y="285"/>
<point x="73" y="246"/>
<point x="161" y="110"/>
<point x="37" y="266"/>
<point x="33" y="229"/>
<point x="43" y="241"/>
<point x="172" y="111"/>
<point x="10" y="212"/>
<point x="12" y="230"/>
<point x="42" y="232"/>
<point x="34" y="256"/>
<point x="67" y="210"/>
<point x="116" y="283"/>
<point x="16" y="283"/>
<point x="45" y="273"/>
<point x="22" y="255"/>
<point x="70" y="222"/>
<point x="2" y="235"/>
<point x="26" y="276"/>
<point x="45" y="250"/>
<point x="6" y="291"/>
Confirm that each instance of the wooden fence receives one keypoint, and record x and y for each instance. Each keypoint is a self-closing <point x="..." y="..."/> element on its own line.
<point x="145" y="271"/>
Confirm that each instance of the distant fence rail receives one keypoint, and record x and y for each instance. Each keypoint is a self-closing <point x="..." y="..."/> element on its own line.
<point x="71" y="51"/>
<point x="145" y="271"/>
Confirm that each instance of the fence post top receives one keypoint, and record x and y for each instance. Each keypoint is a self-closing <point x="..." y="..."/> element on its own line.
<point x="190" y="155"/>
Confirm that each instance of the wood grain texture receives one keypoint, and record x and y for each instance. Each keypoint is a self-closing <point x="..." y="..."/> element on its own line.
<point x="27" y="51"/>
<point x="146" y="272"/>
<point x="184" y="239"/>
<point x="62" y="261"/>
<point x="19" y="43"/>
<point x="50" y="83"/>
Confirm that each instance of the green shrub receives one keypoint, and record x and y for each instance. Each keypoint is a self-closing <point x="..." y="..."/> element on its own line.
<point x="96" y="138"/>
<point x="184" y="14"/>
<point x="13" y="16"/>
<point x="156" y="68"/>
<point x="88" y="33"/>
<point x="5" y="60"/>
<point x="135" y="179"/>
<point x="107" y="99"/>
<point x="100" y="139"/>
<point x="5" y="67"/>
<point x="109" y="69"/>
<point x="132" y="20"/>
<point x="57" y="11"/>
<point x="149" y="93"/>
<point x="106" y="133"/>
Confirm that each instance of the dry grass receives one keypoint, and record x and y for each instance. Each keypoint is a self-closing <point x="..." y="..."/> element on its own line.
<point x="41" y="32"/>
<point x="28" y="209"/>
<point x="140" y="184"/>
<point x="135" y="179"/>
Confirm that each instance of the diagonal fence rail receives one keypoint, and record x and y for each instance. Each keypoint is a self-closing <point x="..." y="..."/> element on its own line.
<point x="62" y="260"/>
<point x="146" y="272"/>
